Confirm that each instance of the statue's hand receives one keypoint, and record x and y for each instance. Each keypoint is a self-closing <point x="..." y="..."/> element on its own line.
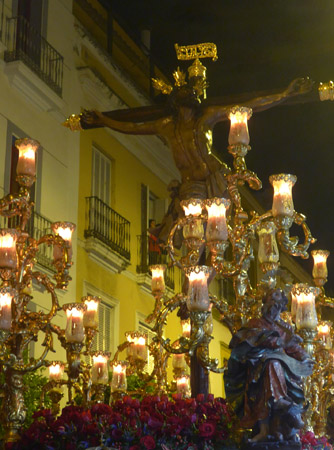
<point x="299" y="86"/>
<point x="92" y="118"/>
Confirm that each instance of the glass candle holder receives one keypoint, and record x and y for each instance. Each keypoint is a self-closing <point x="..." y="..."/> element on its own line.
<point x="99" y="372"/>
<point x="138" y="347"/>
<point x="324" y="334"/>
<point x="6" y="298"/>
<point x="91" y="315"/>
<point x="293" y="305"/>
<point x="74" y="331"/>
<point x="194" y="229"/>
<point x="158" y="280"/>
<point x="26" y="164"/>
<point x="118" y="382"/>
<point x="186" y="328"/>
<point x="320" y="263"/>
<point x="183" y="385"/>
<point x="282" y="201"/>
<point x="64" y="230"/>
<point x="216" y="229"/>
<point x="306" y="316"/>
<point x="8" y="255"/>
<point x="179" y="361"/>
<point x="56" y="371"/>
<point x="268" y="249"/>
<point x="198" y="295"/>
<point x="239" y="116"/>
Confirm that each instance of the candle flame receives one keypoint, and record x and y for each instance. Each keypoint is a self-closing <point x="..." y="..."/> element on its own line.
<point x="5" y="299"/>
<point x="99" y="359"/>
<point x="194" y="210"/>
<point x="157" y="272"/>
<point x="27" y="153"/>
<point x="215" y="210"/>
<point x="119" y="369"/>
<point x="74" y="312"/>
<point x="7" y="241"/>
<point x="238" y="117"/>
<point x="54" y="370"/>
<point x="282" y="187"/>
<point x="92" y="305"/>
<point x="65" y="233"/>
<point x="195" y="276"/>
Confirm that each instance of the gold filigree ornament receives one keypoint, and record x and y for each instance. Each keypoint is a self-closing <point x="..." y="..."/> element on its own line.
<point x="196" y="51"/>
<point x="160" y="85"/>
<point x="73" y="122"/>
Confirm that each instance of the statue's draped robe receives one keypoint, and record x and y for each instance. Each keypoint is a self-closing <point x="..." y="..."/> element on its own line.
<point x="266" y="365"/>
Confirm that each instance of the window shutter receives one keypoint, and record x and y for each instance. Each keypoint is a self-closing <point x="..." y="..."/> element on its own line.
<point x="143" y="328"/>
<point x="101" y="177"/>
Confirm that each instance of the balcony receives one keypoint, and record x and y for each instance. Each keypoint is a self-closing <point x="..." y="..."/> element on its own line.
<point x="25" y="44"/>
<point x="107" y="235"/>
<point x="149" y="253"/>
<point x="37" y="227"/>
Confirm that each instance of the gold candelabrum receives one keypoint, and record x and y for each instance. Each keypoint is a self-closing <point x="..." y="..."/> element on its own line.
<point x="18" y="252"/>
<point x="221" y="232"/>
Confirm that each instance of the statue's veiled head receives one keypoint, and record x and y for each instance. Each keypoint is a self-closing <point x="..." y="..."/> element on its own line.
<point x="274" y="303"/>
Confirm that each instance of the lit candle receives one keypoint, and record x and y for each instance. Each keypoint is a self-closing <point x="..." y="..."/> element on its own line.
<point x="6" y="297"/>
<point x="8" y="255"/>
<point x="138" y="348"/>
<point x="186" y="328"/>
<point x="282" y="201"/>
<point x="306" y="316"/>
<point x="324" y="334"/>
<point x="194" y="229"/>
<point x="64" y="230"/>
<point x="198" y="295"/>
<point x="91" y="317"/>
<point x="216" y="229"/>
<point x="268" y="250"/>
<point x="74" y="327"/>
<point x="239" y="116"/>
<point x="183" y="385"/>
<point x="100" y="374"/>
<point x="158" y="281"/>
<point x="26" y="164"/>
<point x="56" y="371"/>
<point x="320" y="263"/>
<point x="118" y="382"/>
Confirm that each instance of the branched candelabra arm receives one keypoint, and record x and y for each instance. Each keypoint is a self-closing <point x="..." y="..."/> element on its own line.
<point x="50" y="385"/>
<point x="157" y="307"/>
<point x="210" y="364"/>
<point x="290" y="244"/>
<point x="16" y="205"/>
<point x="220" y="304"/>
<point x="60" y="333"/>
<point x="169" y="306"/>
<point x="119" y="350"/>
<point x="44" y="280"/>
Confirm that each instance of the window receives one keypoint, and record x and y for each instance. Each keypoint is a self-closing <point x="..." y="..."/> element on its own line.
<point x="101" y="176"/>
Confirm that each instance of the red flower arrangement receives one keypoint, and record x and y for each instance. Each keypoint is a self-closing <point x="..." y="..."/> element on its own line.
<point x="152" y="423"/>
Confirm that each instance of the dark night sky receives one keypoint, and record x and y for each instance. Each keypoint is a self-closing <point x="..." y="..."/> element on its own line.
<point x="262" y="45"/>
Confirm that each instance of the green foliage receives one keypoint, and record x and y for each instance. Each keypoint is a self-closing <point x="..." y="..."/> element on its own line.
<point x="136" y="384"/>
<point x="33" y="384"/>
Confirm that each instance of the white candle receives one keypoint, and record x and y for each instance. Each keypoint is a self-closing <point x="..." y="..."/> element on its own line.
<point x="64" y="230"/>
<point x="100" y="373"/>
<point x="118" y="382"/>
<point x="239" y="127"/>
<point x="8" y="255"/>
<point x="216" y="229"/>
<point x="158" y="281"/>
<point x="91" y="317"/>
<point x="138" y="348"/>
<point x="179" y="361"/>
<point x="6" y="297"/>
<point x="324" y="334"/>
<point x="186" y="328"/>
<point x="306" y="316"/>
<point x="282" y="201"/>
<point x="268" y="249"/>
<point x="198" y="294"/>
<point x="74" y="328"/>
<point x="320" y="263"/>
<point x="183" y="385"/>
<point x="26" y="164"/>
<point x="56" y="371"/>
<point x="193" y="229"/>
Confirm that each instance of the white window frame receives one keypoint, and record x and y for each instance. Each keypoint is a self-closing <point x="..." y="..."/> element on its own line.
<point x="107" y="188"/>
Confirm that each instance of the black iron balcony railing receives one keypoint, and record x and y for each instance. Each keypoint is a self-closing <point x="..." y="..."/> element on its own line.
<point x="26" y="44"/>
<point x="105" y="224"/>
<point x="37" y="227"/>
<point x="150" y="253"/>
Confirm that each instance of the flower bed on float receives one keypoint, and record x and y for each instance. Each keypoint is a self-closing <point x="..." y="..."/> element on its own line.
<point x="153" y="423"/>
